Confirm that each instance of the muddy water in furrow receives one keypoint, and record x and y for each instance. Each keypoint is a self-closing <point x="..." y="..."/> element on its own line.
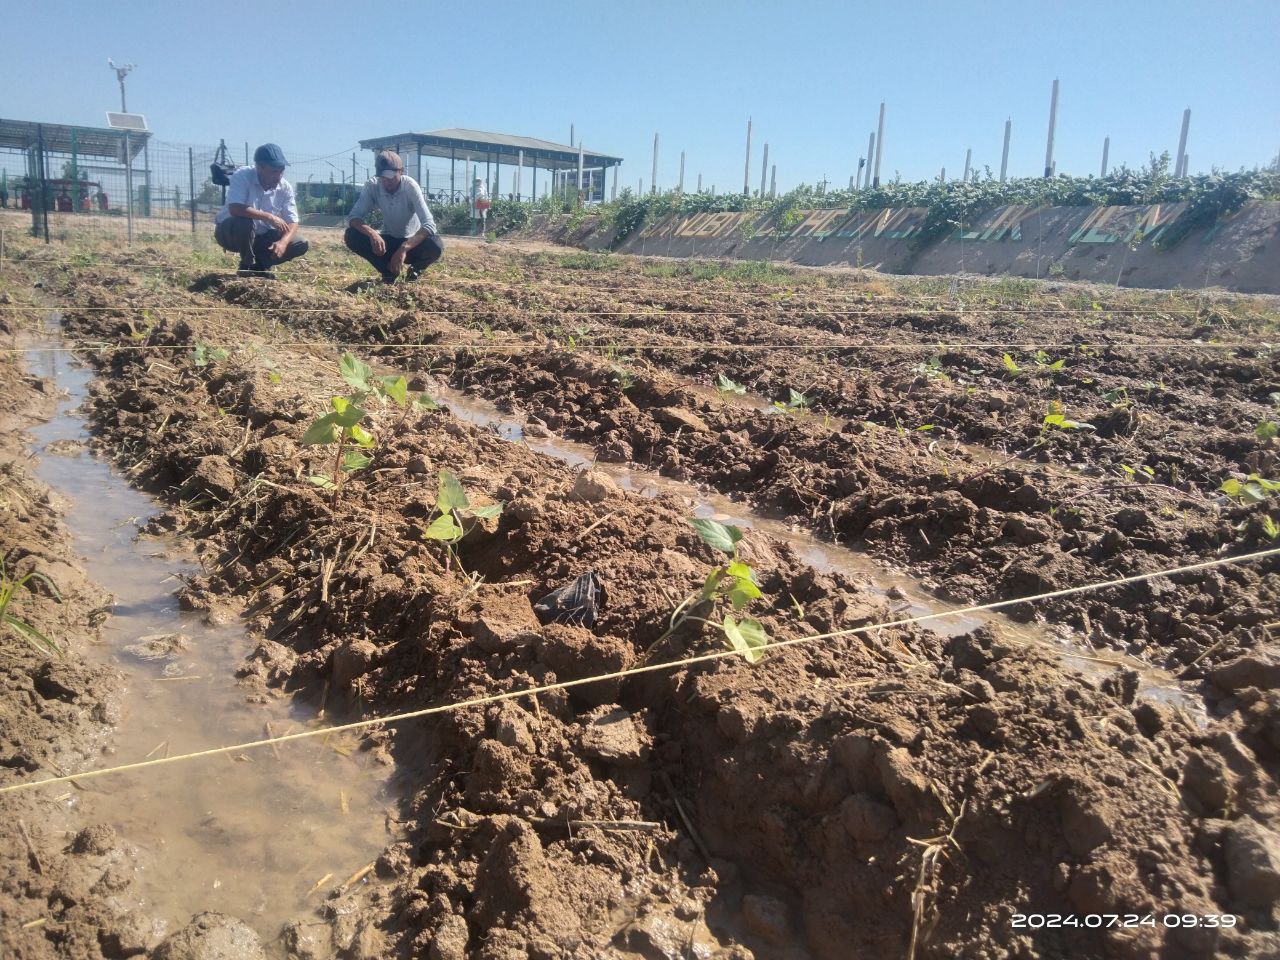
<point x="908" y="597"/>
<point x="262" y="835"/>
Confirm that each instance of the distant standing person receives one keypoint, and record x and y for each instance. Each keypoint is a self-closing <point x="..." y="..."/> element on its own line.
<point x="408" y="236"/>
<point x="259" y="221"/>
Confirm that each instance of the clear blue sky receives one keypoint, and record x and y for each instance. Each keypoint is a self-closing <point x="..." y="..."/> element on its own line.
<point x="316" y="77"/>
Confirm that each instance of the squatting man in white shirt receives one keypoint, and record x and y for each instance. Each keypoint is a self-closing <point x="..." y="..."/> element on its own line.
<point x="408" y="237"/>
<point x="259" y="221"/>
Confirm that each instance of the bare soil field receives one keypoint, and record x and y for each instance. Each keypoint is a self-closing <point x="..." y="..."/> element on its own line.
<point x="908" y="790"/>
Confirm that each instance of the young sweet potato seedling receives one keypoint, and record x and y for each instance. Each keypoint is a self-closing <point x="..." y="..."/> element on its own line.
<point x="733" y="581"/>
<point x="342" y="424"/>
<point x="452" y="513"/>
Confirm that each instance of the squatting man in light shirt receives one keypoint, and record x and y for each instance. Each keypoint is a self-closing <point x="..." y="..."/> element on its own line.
<point x="408" y="234"/>
<point x="260" y="218"/>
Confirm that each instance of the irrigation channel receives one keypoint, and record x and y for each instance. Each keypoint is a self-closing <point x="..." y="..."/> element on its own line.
<point x="261" y="838"/>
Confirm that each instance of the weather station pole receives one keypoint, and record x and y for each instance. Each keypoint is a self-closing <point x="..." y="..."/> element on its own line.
<point x="121" y="73"/>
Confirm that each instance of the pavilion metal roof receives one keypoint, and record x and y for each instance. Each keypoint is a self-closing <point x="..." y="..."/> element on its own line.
<point x="89" y="141"/>
<point x="479" y="145"/>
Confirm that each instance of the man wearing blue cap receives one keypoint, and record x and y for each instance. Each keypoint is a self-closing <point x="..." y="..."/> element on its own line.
<point x="259" y="221"/>
<point x="408" y="240"/>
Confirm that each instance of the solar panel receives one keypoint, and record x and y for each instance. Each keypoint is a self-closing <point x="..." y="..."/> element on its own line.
<point x="134" y="122"/>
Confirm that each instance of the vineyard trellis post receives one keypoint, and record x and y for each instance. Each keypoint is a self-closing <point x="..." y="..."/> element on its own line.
<point x="1053" y="123"/>
<point x="871" y="153"/>
<point x="773" y="181"/>
<point x="653" y="179"/>
<point x="746" y="173"/>
<point x="1004" y="154"/>
<point x="1180" y="165"/>
<point x="764" y="168"/>
<point x="875" y="180"/>
<point x="1106" y="149"/>
<point x="968" y="159"/>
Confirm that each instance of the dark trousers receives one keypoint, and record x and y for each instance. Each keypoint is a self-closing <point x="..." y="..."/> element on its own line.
<point x="236" y="234"/>
<point x="418" y="259"/>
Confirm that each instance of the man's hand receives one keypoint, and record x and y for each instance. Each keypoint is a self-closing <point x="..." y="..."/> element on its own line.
<point x="275" y="222"/>
<point x="278" y="248"/>
<point x="397" y="261"/>
<point x="379" y="245"/>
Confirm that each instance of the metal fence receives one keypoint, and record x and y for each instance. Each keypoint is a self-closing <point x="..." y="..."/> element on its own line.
<point x="165" y="189"/>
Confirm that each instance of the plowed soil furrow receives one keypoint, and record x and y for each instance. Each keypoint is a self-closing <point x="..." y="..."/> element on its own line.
<point x="835" y="800"/>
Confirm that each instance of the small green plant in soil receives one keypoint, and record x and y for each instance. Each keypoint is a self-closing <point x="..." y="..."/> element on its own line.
<point x="9" y="587"/>
<point x="454" y="517"/>
<point x="1267" y="430"/>
<point x="725" y="385"/>
<point x="733" y="582"/>
<point x="795" y="403"/>
<point x="202" y="353"/>
<point x="341" y="426"/>
<point x="624" y="377"/>
<point x="1252" y="489"/>
<point x="931" y="369"/>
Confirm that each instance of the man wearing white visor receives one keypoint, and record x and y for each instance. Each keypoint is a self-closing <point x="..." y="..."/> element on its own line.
<point x="408" y="237"/>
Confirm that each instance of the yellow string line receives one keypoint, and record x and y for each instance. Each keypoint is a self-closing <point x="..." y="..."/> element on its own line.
<point x="633" y="671"/>
<point x="709" y="311"/>
<point x="525" y="346"/>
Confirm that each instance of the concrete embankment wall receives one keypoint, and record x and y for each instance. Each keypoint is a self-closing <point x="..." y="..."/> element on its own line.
<point x="1135" y="246"/>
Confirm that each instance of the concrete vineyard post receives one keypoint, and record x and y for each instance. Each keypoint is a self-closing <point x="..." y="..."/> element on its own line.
<point x="871" y="153"/>
<point x="1180" y="164"/>
<point x="680" y="182"/>
<point x="653" y="176"/>
<point x="746" y="173"/>
<point x="614" y="194"/>
<point x="968" y="159"/>
<point x="1004" y="154"/>
<point x="1053" y="123"/>
<point x="773" y="181"/>
<point x="1106" y="149"/>
<point x="875" y="180"/>
<point x="581" y="188"/>
<point x="764" y="168"/>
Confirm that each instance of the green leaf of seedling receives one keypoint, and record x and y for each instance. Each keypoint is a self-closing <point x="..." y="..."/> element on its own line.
<point x="1057" y="364"/>
<point x="360" y="435"/>
<point x="31" y="635"/>
<point x="1011" y="366"/>
<point x="443" y="528"/>
<point x="345" y="412"/>
<point x="1267" y="430"/>
<point x="484" y="513"/>
<point x="746" y="637"/>
<point x="355" y="371"/>
<point x="719" y="536"/>
<point x="711" y="585"/>
<point x="743" y="592"/>
<point x="725" y="385"/>
<point x="925" y="426"/>
<point x="354" y="460"/>
<point x="217" y="353"/>
<point x="322" y="431"/>
<point x="396" y="389"/>
<point x="797" y="399"/>
<point x="423" y="402"/>
<point x="37" y="575"/>
<point x="324" y="483"/>
<point x="451" y="496"/>
<point x="1270" y="529"/>
<point x="1062" y="423"/>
